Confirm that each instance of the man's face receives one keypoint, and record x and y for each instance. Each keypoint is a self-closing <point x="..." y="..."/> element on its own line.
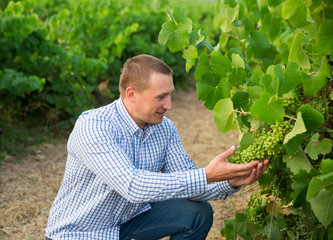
<point x="153" y="102"/>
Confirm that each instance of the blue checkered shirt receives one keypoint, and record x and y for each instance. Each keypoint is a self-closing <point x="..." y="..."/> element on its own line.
<point x="114" y="169"/>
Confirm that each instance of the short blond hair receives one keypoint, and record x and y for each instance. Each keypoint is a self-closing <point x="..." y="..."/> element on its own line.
<point x="137" y="71"/>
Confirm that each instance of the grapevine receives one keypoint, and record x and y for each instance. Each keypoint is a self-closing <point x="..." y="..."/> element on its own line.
<point x="269" y="77"/>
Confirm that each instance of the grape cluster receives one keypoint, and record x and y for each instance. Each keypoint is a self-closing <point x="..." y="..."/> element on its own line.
<point x="317" y="103"/>
<point x="290" y="104"/>
<point x="267" y="144"/>
<point x="300" y="227"/>
<point x="256" y="209"/>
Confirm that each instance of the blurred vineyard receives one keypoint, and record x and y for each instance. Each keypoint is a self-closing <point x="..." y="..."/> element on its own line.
<point x="61" y="57"/>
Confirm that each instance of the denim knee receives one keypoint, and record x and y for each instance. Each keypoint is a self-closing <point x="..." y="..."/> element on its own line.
<point x="205" y="213"/>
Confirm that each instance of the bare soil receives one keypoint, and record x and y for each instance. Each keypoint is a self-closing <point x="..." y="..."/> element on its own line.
<point x="29" y="184"/>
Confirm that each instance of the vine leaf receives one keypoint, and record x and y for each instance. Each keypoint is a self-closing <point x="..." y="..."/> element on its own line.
<point x="237" y="61"/>
<point x="246" y="141"/>
<point x="220" y="64"/>
<point x="202" y="67"/>
<point x="296" y="12"/>
<point x="224" y="115"/>
<point x="297" y="53"/>
<point x="300" y="186"/>
<point x="297" y="162"/>
<point x="313" y="83"/>
<point x="237" y="76"/>
<point x="274" y="232"/>
<point x="241" y="100"/>
<point x="327" y="166"/>
<point x="311" y="117"/>
<point x="293" y="144"/>
<point x="316" y="147"/>
<point x="320" y="194"/>
<point x="212" y="89"/>
<point x="291" y="78"/>
<point x="176" y="33"/>
<point x="298" y="128"/>
<point x="190" y="54"/>
<point x="268" y="109"/>
<point x="324" y="43"/>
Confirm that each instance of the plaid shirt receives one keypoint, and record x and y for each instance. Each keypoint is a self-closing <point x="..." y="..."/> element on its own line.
<point x="114" y="169"/>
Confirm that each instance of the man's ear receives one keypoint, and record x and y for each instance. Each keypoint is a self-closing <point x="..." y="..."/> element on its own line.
<point x="130" y="94"/>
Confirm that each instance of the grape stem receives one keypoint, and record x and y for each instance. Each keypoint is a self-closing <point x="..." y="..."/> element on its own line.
<point x="252" y="187"/>
<point x="290" y="117"/>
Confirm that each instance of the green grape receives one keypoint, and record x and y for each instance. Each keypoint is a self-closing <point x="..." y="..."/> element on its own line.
<point x="317" y="104"/>
<point x="256" y="208"/>
<point x="290" y="104"/>
<point x="300" y="227"/>
<point x="267" y="144"/>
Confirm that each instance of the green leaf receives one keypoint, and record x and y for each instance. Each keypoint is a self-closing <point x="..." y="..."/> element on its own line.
<point x="297" y="162"/>
<point x="292" y="77"/>
<point x="244" y="226"/>
<point x="293" y="144"/>
<point x="313" y="83"/>
<point x="296" y="12"/>
<point x="228" y="231"/>
<point x="322" y="206"/>
<point x="190" y="54"/>
<point x="203" y="66"/>
<point x="237" y="76"/>
<point x="260" y="44"/>
<point x="168" y="28"/>
<point x="255" y="92"/>
<point x="300" y="186"/>
<point x="327" y="166"/>
<point x="273" y="231"/>
<point x="224" y="115"/>
<point x="324" y="43"/>
<point x="268" y="109"/>
<point x="270" y="83"/>
<point x="220" y="64"/>
<point x="179" y="14"/>
<point x="237" y="61"/>
<point x="246" y="141"/>
<point x="211" y="89"/>
<point x="319" y="183"/>
<point x="311" y="117"/>
<point x="241" y="101"/>
<point x="180" y="38"/>
<point x="297" y="54"/>
<point x="316" y="147"/>
<point x="298" y="128"/>
<point x="274" y="3"/>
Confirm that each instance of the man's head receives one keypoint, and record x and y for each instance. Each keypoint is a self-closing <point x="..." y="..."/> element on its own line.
<point x="146" y="85"/>
<point x="137" y="71"/>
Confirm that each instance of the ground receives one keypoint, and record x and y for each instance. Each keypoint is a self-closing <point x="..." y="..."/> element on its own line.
<point x="30" y="183"/>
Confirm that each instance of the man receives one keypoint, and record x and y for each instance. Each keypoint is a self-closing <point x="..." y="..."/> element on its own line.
<point x="127" y="175"/>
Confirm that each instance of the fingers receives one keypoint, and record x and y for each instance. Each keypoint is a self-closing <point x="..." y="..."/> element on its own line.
<point x="228" y="152"/>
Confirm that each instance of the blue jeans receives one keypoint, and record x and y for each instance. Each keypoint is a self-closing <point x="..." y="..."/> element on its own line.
<point x="178" y="218"/>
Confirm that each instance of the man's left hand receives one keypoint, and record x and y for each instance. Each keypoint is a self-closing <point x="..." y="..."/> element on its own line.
<point x="255" y="174"/>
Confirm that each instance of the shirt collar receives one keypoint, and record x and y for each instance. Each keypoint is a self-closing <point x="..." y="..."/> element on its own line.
<point x="128" y="120"/>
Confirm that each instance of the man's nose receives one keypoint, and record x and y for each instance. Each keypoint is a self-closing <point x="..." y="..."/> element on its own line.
<point x="168" y="104"/>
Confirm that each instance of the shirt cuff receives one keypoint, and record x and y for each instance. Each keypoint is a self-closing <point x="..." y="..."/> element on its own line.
<point x="225" y="187"/>
<point x="196" y="181"/>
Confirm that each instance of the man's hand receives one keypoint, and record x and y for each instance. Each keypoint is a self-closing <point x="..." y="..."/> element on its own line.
<point x="219" y="169"/>
<point x="256" y="173"/>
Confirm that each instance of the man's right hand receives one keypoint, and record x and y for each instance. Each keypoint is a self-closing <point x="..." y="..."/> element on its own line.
<point x="219" y="169"/>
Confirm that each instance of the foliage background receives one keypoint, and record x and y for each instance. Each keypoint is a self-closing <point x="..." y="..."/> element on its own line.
<point x="59" y="58"/>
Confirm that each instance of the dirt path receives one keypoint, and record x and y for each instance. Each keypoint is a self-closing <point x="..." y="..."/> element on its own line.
<point x="28" y="187"/>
